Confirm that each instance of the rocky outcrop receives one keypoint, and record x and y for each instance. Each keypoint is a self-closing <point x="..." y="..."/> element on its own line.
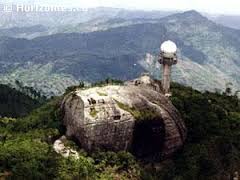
<point x="60" y="148"/>
<point x="135" y="116"/>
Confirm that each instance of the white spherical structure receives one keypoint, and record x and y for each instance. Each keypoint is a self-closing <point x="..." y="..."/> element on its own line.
<point x="168" y="48"/>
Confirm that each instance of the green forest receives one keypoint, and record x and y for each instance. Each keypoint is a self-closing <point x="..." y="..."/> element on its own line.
<point x="18" y="102"/>
<point x="211" y="151"/>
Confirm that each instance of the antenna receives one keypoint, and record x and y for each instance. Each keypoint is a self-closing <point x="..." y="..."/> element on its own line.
<point x="167" y="58"/>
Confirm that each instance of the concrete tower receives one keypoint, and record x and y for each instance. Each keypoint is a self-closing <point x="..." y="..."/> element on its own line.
<point x="167" y="58"/>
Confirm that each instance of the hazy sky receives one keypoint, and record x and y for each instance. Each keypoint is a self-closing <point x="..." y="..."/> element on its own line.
<point x="210" y="6"/>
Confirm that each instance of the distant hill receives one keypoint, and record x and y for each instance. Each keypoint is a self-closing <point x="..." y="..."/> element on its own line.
<point x="36" y="24"/>
<point x="232" y="21"/>
<point x="98" y="24"/>
<point x="24" y="32"/>
<point x="208" y="54"/>
<point x="14" y="103"/>
<point x="56" y="19"/>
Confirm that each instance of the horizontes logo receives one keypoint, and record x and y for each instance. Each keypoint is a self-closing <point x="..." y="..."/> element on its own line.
<point x="37" y="8"/>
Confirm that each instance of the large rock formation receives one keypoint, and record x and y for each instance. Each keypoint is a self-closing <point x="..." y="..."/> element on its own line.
<point x="135" y="116"/>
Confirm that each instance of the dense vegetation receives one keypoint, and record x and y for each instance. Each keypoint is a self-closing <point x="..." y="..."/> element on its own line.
<point x="212" y="149"/>
<point x="14" y="103"/>
<point x="26" y="151"/>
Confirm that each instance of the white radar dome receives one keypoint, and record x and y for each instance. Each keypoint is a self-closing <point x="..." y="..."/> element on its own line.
<point x="168" y="47"/>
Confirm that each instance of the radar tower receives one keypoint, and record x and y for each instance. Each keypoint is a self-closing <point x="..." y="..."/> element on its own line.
<point x="167" y="58"/>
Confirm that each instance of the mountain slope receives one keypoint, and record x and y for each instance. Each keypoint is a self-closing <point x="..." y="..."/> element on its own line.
<point x="208" y="52"/>
<point x="232" y="21"/>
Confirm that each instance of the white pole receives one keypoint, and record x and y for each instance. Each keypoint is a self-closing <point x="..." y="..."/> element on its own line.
<point x="166" y="78"/>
